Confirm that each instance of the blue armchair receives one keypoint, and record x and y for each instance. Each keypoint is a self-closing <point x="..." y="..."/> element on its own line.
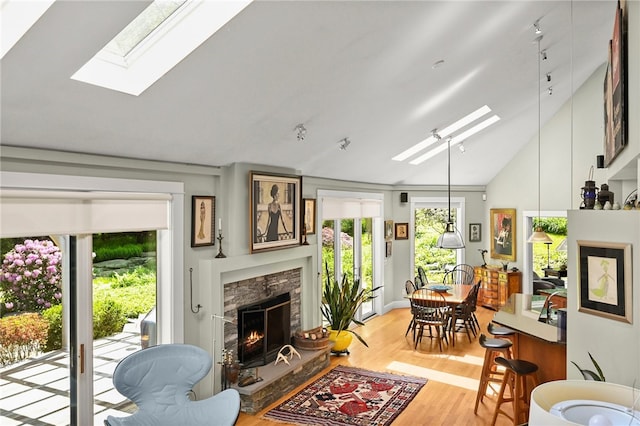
<point x="159" y="380"/>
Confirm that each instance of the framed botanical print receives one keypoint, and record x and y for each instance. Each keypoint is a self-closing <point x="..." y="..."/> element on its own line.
<point x="604" y="270"/>
<point x="475" y="232"/>
<point x="203" y="216"/>
<point x="503" y="234"/>
<point x="275" y="205"/>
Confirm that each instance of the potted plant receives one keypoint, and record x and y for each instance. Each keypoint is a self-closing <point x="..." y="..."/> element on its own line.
<point x="340" y="303"/>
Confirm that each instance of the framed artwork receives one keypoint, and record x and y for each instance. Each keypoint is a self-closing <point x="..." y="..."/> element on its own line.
<point x="475" y="232"/>
<point x="503" y="234"/>
<point x="275" y="211"/>
<point x="388" y="230"/>
<point x="604" y="270"/>
<point x="402" y="231"/>
<point x="309" y="216"/>
<point x="203" y="216"/>
<point x="387" y="248"/>
<point x="615" y="91"/>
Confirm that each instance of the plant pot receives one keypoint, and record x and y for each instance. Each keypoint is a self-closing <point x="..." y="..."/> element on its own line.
<point x="341" y="341"/>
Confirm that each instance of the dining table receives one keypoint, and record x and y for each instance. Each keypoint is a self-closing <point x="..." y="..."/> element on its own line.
<point x="454" y="294"/>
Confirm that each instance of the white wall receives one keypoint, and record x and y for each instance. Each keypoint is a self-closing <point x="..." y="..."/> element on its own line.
<point x="615" y="345"/>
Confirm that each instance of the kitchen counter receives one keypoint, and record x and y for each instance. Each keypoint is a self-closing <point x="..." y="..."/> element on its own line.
<point x="535" y="341"/>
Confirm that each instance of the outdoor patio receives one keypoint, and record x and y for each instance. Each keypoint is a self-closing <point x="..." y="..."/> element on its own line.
<point x="36" y="391"/>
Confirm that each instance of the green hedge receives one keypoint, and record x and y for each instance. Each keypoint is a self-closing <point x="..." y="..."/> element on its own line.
<point x="118" y="252"/>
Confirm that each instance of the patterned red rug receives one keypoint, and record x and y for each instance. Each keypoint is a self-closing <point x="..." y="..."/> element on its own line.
<point x="349" y="396"/>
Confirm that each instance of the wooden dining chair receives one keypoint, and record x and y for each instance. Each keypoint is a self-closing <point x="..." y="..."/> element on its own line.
<point x="409" y="287"/>
<point x="430" y="310"/>
<point x="465" y="314"/>
<point x="460" y="274"/>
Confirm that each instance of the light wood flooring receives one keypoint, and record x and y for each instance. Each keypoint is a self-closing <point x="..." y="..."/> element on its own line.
<point x="449" y="395"/>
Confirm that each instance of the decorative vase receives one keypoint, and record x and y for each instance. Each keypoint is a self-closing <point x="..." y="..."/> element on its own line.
<point x="341" y="340"/>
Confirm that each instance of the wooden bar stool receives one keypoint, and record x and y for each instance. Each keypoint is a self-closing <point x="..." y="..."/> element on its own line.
<point x="500" y="331"/>
<point x="521" y="377"/>
<point x="490" y="373"/>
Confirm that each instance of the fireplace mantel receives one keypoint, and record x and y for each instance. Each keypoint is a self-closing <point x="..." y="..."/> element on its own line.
<point x="215" y="273"/>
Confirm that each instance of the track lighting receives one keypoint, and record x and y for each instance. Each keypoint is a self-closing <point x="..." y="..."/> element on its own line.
<point x="536" y="26"/>
<point x="548" y="76"/>
<point x="344" y="143"/>
<point x="550" y="91"/>
<point x="301" y="132"/>
<point x="544" y="55"/>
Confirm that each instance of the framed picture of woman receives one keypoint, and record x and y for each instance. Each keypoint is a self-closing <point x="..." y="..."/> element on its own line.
<point x="203" y="215"/>
<point x="275" y="203"/>
<point x="503" y="234"/>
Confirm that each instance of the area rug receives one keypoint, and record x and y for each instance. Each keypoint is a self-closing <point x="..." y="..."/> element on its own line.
<point x="349" y="396"/>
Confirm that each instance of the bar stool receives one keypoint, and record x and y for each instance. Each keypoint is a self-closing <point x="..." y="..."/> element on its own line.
<point x="518" y="374"/>
<point x="500" y="331"/>
<point x="490" y="373"/>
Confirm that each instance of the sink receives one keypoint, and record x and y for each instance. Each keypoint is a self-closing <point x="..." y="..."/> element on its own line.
<point x="595" y="413"/>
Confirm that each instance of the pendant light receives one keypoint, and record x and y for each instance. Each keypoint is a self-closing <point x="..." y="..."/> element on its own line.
<point x="451" y="238"/>
<point x="539" y="236"/>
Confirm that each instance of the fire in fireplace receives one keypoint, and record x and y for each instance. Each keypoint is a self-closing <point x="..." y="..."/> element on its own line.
<point x="263" y="328"/>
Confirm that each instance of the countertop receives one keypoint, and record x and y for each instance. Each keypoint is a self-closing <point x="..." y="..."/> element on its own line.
<point x="519" y="315"/>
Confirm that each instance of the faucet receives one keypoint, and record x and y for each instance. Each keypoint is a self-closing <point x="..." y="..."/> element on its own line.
<point x="545" y="312"/>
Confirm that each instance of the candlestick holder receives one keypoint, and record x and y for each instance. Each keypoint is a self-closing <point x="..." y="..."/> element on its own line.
<point x="220" y="255"/>
<point x="304" y="232"/>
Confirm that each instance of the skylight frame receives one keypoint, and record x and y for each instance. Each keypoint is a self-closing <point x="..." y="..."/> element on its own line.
<point x="173" y="40"/>
<point x="467" y="119"/>
<point x="16" y="18"/>
<point x="456" y="140"/>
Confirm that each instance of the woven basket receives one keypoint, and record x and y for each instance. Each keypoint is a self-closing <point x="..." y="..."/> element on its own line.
<point x="321" y="341"/>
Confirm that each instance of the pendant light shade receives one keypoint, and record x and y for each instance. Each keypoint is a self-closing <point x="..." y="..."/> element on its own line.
<point x="539" y="236"/>
<point x="451" y="238"/>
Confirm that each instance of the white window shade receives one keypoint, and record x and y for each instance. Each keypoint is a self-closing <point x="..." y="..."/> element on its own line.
<point x="349" y="208"/>
<point x="29" y="212"/>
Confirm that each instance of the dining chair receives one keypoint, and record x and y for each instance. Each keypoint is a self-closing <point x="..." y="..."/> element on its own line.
<point x="409" y="287"/>
<point x="423" y="276"/>
<point x="432" y="311"/>
<point x="459" y="275"/>
<point x="465" y="314"/>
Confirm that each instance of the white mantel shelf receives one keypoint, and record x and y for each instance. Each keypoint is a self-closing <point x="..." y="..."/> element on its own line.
<point x="219" y="271"/>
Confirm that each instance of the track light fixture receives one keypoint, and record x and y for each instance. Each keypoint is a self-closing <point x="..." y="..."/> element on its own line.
<point x="344" y="143"/>
<point x="550" y="89"/>
<point x="548" y="76"/>
<point x="543" y="54"/>
<point x="536" y="27"/>
<point x="301" y="132"/>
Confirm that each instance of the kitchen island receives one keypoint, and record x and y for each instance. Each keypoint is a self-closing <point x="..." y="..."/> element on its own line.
<point x="539" y="342"/>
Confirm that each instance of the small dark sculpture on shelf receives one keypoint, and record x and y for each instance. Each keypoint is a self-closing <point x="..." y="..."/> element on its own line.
<point x="482" y="253"/>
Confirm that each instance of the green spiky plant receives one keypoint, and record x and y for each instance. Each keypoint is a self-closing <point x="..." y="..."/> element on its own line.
<point x="341" y="301"/>
<point x="590" y="374"/>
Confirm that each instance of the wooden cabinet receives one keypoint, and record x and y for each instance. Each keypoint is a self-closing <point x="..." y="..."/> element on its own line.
<point x="496" y="286"/>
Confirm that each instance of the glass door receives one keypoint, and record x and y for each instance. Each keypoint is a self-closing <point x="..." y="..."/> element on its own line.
<point x="366" y="262"/>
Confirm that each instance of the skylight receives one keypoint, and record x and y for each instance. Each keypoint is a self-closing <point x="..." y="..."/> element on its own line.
<point x="155" y="41"/>
<point x="447" y="131"/>
<point x="16" y="17"/>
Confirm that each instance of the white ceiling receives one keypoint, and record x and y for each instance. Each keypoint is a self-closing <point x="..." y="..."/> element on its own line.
<point x="356" y="69"/>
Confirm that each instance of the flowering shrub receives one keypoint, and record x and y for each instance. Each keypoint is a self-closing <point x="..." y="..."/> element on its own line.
<point x="21" y="336"/>
<point x="30" y="278"/>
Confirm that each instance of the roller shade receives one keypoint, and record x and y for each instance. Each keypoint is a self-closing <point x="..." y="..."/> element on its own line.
<point x="346" y="208"/>
<point x="35" y="212"/>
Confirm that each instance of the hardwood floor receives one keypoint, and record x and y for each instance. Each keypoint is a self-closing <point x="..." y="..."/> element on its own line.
<point x="449" y="395"/>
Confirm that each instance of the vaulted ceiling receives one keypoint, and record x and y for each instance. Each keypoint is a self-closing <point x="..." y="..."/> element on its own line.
<point x="362" y="70"/>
